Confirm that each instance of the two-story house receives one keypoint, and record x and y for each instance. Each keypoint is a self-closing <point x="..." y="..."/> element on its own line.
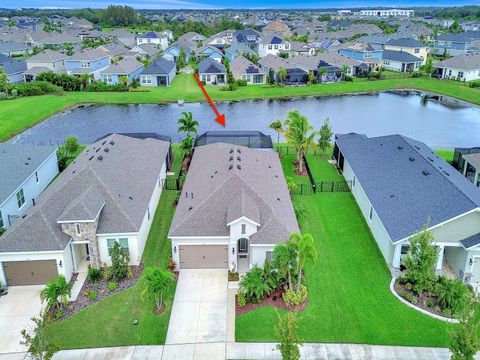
<point x="47" y="60"/>
<point x="88" y="61"/>
<point x="455" y="44"/>
<point x="409" y="45"/>
<point x="153" y="38"/>
<point x="272" y="45"/>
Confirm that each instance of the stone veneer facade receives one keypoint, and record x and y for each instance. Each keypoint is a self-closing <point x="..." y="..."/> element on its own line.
<point x="88" y="232"/>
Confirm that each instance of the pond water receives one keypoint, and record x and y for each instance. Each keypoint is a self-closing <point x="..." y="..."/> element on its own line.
<point x="445" y="123"/>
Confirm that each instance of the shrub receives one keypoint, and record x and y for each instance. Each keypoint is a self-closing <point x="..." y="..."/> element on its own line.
<point x="171" y="263"/>
<point x="37" y="88"/>
<point x="112" y="286"/>
<point x="71" y="144"/>
<point x="100" y="86"/>
<point x="92" y="295"/>
<point x="241" y="82"/>
<point x="452" y="295"/>
<point x="107" y="273"/>
<point x="3" y="96"/>
<point x="286" y="331"/>
<point x="94" y="275"/>
<point x="66" y="82"/>
<point x="241" y="299"/>
<point x="229" y="87"/>
<point x="62" y="160"/>
<point x="474" y="84"/>
<point x="409" y="286"/>
<point x="416" y="74"/>
<point x="58" y="314"/>
<point x="292" y="298"/>
<point x="119" y="266"/>
<point x="348" y="78"/>
<point x="254" y="286"/>
<point x="374" y="75"/>
<point x="407" y="296"/>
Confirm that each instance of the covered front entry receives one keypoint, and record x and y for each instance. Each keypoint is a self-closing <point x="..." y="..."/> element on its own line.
<point x="36" y="272"/>
<point x="476" y="271"/>
<point x="162" y="80"/>
<point x="203" y="256"/>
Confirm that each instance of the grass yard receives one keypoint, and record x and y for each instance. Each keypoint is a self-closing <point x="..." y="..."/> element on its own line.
<point x="447" y="155"/>
<point x="18" y="115"/>
<point x="349" y="298"/>
<point x="110" y="321"/>
<point x="177" y="160"/>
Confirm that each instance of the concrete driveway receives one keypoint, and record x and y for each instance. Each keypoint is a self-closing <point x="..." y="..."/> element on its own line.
<point x="199" y="312"/>
<point x="16" y="309"/>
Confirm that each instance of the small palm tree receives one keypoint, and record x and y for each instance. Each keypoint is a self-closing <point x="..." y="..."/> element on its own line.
<point x="322" y="71"/>
<point x="306" y="252"/>
<point x="291" y="184"/>
<point x="157" y="282"/>
<point x="284" y="257"/>
<point x="187" y="145"/>
<point x="188" y="124"/>
<point x="49" y="294"/>
<point x="63" y="290"/>
<point x="278" y="127"/>
<point x="253" y="284"/>
<point x="344" y="70"/>
<point x="282" y="74"/>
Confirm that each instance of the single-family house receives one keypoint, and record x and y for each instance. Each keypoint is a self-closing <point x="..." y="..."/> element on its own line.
<point x="295" y="74"/>
<point x="323" y="71"/>
<point x="272" y="45"/>
<point x="244" y="69"/>
<point x="249" y="37"/>
<point x="212" y="72"/>
<point x="209" y="51"/>
<point x="123" y="36"/>
<point x="88" y="61"/>
<point x="409" y="45"/>
<point x="326" y="45"/>
<point x="26" y="172"/>
<point x="400" y="61"/>
<point x="463" y="67"/>
<point x="361" y="51"/>
<point x="300" y="48"/>
<point x="47" y="60"/>
<point x="13" y="68"/>
<point x="237" y="49"/>
<point x="58" y="40"/>
<point x="467" y="162"/>
<point x="153" y="38"/>
<point x="352" y="66"/>
<point x="174" y="50"/>
<point x="221" y="39"/>
<point x="107" y="195"/>
<point x="115" y="51"/>
<point x="276" y="28"/>
<point x="400" y="186"/>
<point x="159" y="73"/>
<point x="128" y="69"/>
<point x="455" y="44"/>
<point x="233" y="209"/>
<point x="144" y="51"/>
<point x="14" y="48"/>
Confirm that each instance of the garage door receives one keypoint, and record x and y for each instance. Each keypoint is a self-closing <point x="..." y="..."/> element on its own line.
<point x="203" y="256"/>
<point x="30" y="272"/>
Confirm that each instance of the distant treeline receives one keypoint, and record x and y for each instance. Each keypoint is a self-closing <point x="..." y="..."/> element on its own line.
<point x="467" y="13"/>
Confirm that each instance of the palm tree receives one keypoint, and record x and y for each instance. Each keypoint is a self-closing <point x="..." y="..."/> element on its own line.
<point x="322" y="71"/>
<point x="299" y="134"/>
<point x="187" y="123"/>
<point x="278" y="127"/>
<point x="282" y="74"/>
<point x="187" y="144"/>
<point x="158" y="281"/>
<point x="306" y="252"/>
<point x="49" y="294"/>
<point x="284" y="257"/>
<point x="63" y="290"/>
<point x="291" y="184"/>
<point x="344" y="71"/>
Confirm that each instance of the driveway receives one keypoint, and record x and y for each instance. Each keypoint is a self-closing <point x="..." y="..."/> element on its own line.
<point x="16" y="309"/>
<point x="199" y="312"/>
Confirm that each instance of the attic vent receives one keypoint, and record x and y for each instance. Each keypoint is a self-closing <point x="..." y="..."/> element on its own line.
<point x="231" y="150"/>
<point x="400" y="147"/>
<point x="239" y="158"/>
<point x="231" y="158"/>
<point x="216" y="172"/>
<point x="190" y="208"/>
<point x="425" y="172"/>
<point x="112" y="142"/>
<point x="103" y="143"/>
<point x="106" y="150"/>
<point x="269" y="166"/>
<point x="73" y="172"/>
<point x="131" y="198"/>
<point x="392" y="196"/>
<point x="239" y="167"/>
<point x="411" y="158"/>
<point x="276" y="176"/>
<point x="97" y="150"/>
<point x="230" y="167"/>
<point x="429" y="158"/>
<point x="100" y="158"/>
<point x="91" y="157"/>
<point x="211" y="176"/>
<point x="239" y="151"/>
<point x="278" y="199"/>
<point x="26" y="163"/>
<point x="446" y="173"/>
<point x="29" y="158"/>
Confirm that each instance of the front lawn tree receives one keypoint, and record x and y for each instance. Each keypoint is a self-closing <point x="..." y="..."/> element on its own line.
<point x="271" y="77"/>
<point x="299" y="134"/>
<point x="421" y="260"/>
<point x="182" y="58"/>
<point x="120" y="260"/>
<point x="325" y="138"/>
<point x="282" y="74"/>
<point x="306" y="253"/>
<point x="278" y="127"/>
<point x="157" y="282"/>
<point x="289" y="341"/>
<point x="188" y="124"/>
<point x="71" y="144"/>
<point x="37" y="340"/>
<point x="464" y="339"/>
<point x="4" y="82"/>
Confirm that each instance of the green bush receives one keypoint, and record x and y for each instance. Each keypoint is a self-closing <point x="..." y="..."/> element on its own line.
<point x="61" y="160"/>
<point x="107" y="273"/>
<point x="66" y="82"/>
<point x="94" y="275"/>
<point x="452" y="295"/>
<point x="348" y="78"/>
<point x="37" y="88"/>
<point x="416" y="74"/>
<point x="242" y="82"/>
<point x="229" y="87"/>
<point x="292" y="298"/>
<point x="71" y="144"/>
<point x="254" y="285"/>
<point x="92" y="295"/>
<point x="112" y="286"/>
<point x="119" y="266"/>
<point x="241" y="299"/>
<point x="374" y="75"/>
<point x="474" y="84"/>
<point x="407" y="296"/>
<point x="100" y="86"/>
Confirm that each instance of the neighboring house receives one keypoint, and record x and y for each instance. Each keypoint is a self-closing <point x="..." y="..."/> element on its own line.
<point x="13" y="48"/>
<point x="221" y="39"/>
<point x="153" y="38"/>
<point x="159" y="73"/>
<point x="237" y="49"/>
<point x="128" y="68"/>
<point x="88" y="61"/>
<point x="455" y="44"/>
<point x="354" y="67"/>
<point x="272" y="45"/>
<point x="13" y="68"/>
<point x="249" y="37"/>
<point x="123" y="36"/>
<point x="244" y="69"/>
<point x="47" y="60"/>
<point x="108" y="194"/>
<point x="400" y="61"/>
<point x="400" y="186"/>
<point x="295" y="74"/>
<point x="212" y="72"/>
<point x="467" y="161"/>
<point x="377" y="41"/>
<point x="361" y="51"/>
<point x="209" y="51"/>
<point x="173" y="52"/>
<point x="233" y="209"/>
<point x="315" y="64"/>
<point x="114" y="50"/>
<point x="326" y="45"/>
<point x="58" y="39"/>
<point x="144" y="51"/>
<point x="26" y="172"/>
<point x="276" y="28"/>
<point x="386" y="13"/>
<point x="415" y="30"/>
<point x="300" y="48"/>
<point x="411" y="46"/>
<point x="463" y="67"/>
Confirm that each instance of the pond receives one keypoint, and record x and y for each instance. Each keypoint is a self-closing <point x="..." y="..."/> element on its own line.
<point x="443" y="123"/>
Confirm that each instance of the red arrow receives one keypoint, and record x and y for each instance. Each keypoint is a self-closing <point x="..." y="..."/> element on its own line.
<point x="220" y="117"/>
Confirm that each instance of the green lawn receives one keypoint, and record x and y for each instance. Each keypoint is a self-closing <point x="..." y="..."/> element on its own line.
<point x="447" y="155"/>
<point x="177" y="160"/>
<point x="110" y="321"/>
<point x="349" y="298"/>
<point x="19" y="114"/>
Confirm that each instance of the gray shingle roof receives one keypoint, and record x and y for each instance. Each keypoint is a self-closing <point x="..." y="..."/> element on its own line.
<point x="400" y="56"/>
<point x="159" y="67"/>
<point x="256" y="190"/>
<point x="88" y="54"/>
<point x="7" y="46"/>
<point x="469" y="61"/>
<point x="124" y="178"/>
<point x="406" y="183"/>
<point x="405" y="42"/>
<point x="47" y="56"/>
<point x="123" y="67"/>
<point x="12" y="66"/>
<point x="210" y="66"/>
<point x="85" y="207"/>
<point x="18" y="162"/>
<point x="241" y="66"/>
<point x="471" y="241"/>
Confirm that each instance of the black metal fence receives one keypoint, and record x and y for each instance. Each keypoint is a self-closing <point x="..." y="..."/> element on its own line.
<point x="302" y="189"/>
<point x="333" y="186"/>
<point x="172" y="184"/>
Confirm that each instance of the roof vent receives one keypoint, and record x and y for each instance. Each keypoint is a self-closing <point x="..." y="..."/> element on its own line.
<point x="131" y="198"/>
<point x="429" y="158"/>
<point x="239" y="167"/>
<point x="26" y="163"/>
<point x="392" y="196"/>
<point x="231" y="158"/>
<point x="446" y="173"/>
<point x="278" y="199"/>
<point x="106" y="150"/>
<point x="400" y="147"/>
<point x="216" y="172"/>
<point x="231" y="150"/>
<point x="269" y="166"/>
<point x="411" y="158"/>
<point x="100" y="158"/>
<point x="29" y="158"/>
<point x="211" y="176"/>
<point x="73" y="172"/>
<point x="103" y="143"/>
<point x="416" y="147"/>
<point x="239" y="158"/>
<point x="230" y="167"/>
<point x="91" y="157"/>
<point x="112" y="142"/>
<point x="97" y="150"/>
<point x="425" y="172"/>
<point x="190" y="208"/>
<point x="239" y="151"/>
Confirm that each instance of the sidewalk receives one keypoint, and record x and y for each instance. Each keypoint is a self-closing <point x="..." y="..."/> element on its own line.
<point x="253" y="351"/>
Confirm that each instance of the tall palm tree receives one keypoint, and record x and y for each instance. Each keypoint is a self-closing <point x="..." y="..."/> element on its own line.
<point x="306" y="252"/>
<point x="299" y="133"/>
<point x="188" y="124"/>
<point x="284" y="258"/>
<point x="278" y="127"/>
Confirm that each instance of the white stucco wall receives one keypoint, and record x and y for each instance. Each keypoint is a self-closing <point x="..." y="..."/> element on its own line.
<point x="258" y="254"/>
<point x="457" y="258"/>
<point x="31" y="189"/>
<point x="468" y="75"/>
<point x="458" y="229"/>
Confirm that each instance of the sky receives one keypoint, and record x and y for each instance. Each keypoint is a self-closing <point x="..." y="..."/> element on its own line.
<point x="221" y="4"/>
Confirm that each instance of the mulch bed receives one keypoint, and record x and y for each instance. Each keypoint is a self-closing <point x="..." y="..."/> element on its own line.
<point x="102" y="292"/>
<point x="422" y="299"/>
<point x="275" y="300"/>
<point x="304" y="170"/>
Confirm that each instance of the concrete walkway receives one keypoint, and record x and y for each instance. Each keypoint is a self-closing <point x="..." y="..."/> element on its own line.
<point x="252" y="351"/>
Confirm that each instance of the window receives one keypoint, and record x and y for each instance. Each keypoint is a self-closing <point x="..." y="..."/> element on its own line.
<point x="77" y="229"/>
<point x="460" y="74"/>
<point x="269" y="47"/>
<point x="123" y="243"/>
<point x="371" y="213"/>
<point x="416" y="51"/>
<point x="36" y="177"/>
<point x="204" y="77"/>
<point x="107" y="78"/>
<point x="276" y="47"/>
<point x="85" y="64"/>
<point x="353" y="184"/>
<point x="20" y="198"/>
<point x="1" y="220"/>
<point x="243" y="245"/>
<point x="287" y="46"/>
<point x="268" y="255"/>
<point x="244" y="229"/>
<point x="208" y="77"/>
<point x="146" y="79"/>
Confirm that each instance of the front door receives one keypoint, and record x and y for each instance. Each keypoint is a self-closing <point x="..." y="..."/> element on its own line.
<point x="162" y="80"/>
